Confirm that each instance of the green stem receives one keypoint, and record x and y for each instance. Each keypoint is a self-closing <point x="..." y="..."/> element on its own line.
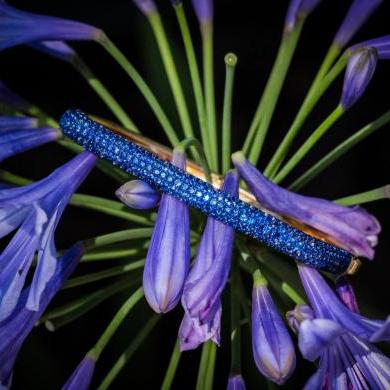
<point x="128" y="353"/>
<point x="172" y="367"/>
<point x="109" y="207"/>
<point x="116" y="322"/>
<point x="260" y="123"/>
<point x="194" y="73"/>
<point x="206" y="367"/>
<point x="208" y="74"/>
<point x="317" y="90"/>
<point x="366" y="197"/>
<point x="110" y="254"/>
<point x="73" y="310"/>
<point x="309" y="143"/>
<point x="235" y="319"/>
<point x="122" y="235"/>
<point x="113" y="50"/>
<point x="339" y="151"/>
<point x="230" y="62"/>
<point x="171" y="72"/>
<point x="104" y="94"/>
<point x="186" y="143"/>
<point x="101" y="275"/>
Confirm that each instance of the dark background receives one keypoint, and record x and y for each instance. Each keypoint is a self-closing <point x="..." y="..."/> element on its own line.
<point x="253" y="33"/>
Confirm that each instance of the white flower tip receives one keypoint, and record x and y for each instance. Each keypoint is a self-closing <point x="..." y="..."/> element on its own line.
<point x="238" y="157"/>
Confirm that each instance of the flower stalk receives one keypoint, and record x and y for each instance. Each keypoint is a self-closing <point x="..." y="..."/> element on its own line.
<point x="230" y="62"/>
<point x="262" y="118"/>
<point x="309" y="143"/>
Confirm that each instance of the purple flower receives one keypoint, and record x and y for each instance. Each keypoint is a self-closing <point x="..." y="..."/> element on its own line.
<point x="18" y="134"/>
<point x="168" y="258"/>
<point x="360" y="69"/>
<point x="298" y="9"/>
<point x="15" y="329"/>
<point x="82" y="375"/>
<point x="36" y="209"/>
<point x="346" y="361"/>
<point x="352" y="227"/>
<point x="204" y="10"/>
<point x="345" y="292"/>
<point x="19" y="27"/>
<point x="138" y="194"/>
<point x="381" y="45"/>
<point x="146" y="6"/>
<point x="273" y="349"/>
<point x="57" y="49"/>
<point x="357" y="15"/>
<point x="203" y="288"/>
<point x="327" y="305"/>
<point x="11" y="99"/>
<point x="236" y="382"/>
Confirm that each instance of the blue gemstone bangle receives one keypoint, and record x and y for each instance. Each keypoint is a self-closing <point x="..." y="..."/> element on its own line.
<point x="196" y="193"/>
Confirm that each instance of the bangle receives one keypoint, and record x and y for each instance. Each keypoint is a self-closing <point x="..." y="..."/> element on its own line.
<point x="261" y="225"/>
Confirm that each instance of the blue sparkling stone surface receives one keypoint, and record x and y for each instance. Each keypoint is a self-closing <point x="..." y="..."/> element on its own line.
<point x="196" y="193"/>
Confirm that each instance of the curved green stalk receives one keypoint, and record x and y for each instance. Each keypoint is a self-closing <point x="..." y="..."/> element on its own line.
<point x="101" y="275"/>
<point x="116" y="322"/>
<point x="309" y="143"/>
<point x="171" y="72"/>
<point x="208" y="74"/>
<point x="339" y="151"/>
<point x="195" y="75"/>
<point x="317" y="90"/>
<point x="172" y="367"/>
<point x="128" y="353"/>
<point x="119" y="236"/>
<point x="366" y="197"/>
<point x="206" y="367"/>
<point x="120" y="58"/>
<point x="260" y="123"/>
<point x="186" y="143"/>
<point x="230" y="62"/>
<point x="79" y="64"/>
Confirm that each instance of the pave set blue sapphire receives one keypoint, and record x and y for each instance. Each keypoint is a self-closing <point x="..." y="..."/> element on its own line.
<point x="201" y="195"/>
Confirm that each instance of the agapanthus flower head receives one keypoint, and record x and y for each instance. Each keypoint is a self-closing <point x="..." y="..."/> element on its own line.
<point x="82" y="375"/>
<point x="207" y="279"/>
<point x="138" y="194"/>
<point x="15" y="329"/>
<point x="358" y="13"/>
<point x="298" y="9"/>
<point x="346" y="293"/>
<point x="168" y="258"/>
<point x="326" y="304"/>
<point x="381" y="45"/>
<point x="19" y="27"/>
<point x="204" y="10"/>
<point x="346" y="361"/>
<point x="11" y="99"/>
<point x="18" y="134"/>
<point x="36" y="209"/>
<point x="236" y="382"/>
<point x="146" y="6"/>
<point x="57" y="49"/>
<point x="273" y="349"/>
<point x="360" y="69"/>
<point x="352" y="227"/>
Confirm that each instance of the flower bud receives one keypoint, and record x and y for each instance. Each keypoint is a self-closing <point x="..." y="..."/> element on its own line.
<point x="138" y="194"/>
